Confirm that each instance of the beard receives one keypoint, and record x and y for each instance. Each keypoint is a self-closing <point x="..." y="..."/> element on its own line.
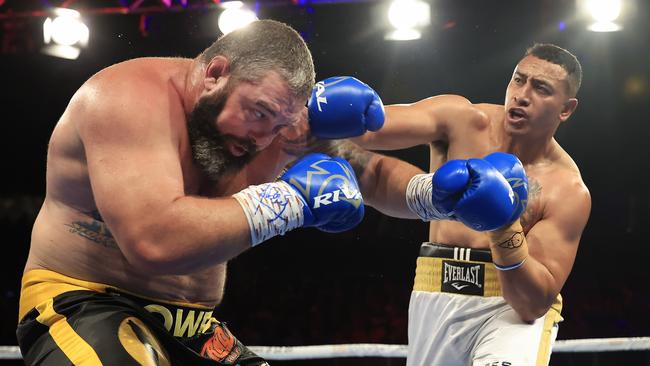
<point x="208" y="144"/>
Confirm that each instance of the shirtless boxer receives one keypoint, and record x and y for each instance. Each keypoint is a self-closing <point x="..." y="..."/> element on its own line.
<point x="154" y="182"/>
<point x="492" y="297"/>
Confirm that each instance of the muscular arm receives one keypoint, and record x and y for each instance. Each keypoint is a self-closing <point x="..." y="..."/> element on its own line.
<point x="132" y="151"/>
<point x="383" y="180"/>
<point x="425" y="121"/>
<point x="553" y="243"/>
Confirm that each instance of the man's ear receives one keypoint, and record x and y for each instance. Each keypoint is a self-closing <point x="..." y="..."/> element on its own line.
<point x="568" y="108"/>
<point x="216" y="73"/>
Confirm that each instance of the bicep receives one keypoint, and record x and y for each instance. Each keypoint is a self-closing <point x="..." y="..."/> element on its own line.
<point x="408" y="125"/>
<point x="133" y="166"/>
<point x="554" y="240"/>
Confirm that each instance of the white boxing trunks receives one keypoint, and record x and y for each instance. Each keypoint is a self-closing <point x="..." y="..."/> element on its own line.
<point x="457" y="316"/>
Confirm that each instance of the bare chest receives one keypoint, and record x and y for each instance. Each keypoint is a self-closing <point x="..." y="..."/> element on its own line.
<point x="534" y="212"/>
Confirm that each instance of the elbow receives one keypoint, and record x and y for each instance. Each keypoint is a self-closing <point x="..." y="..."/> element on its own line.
<point x="368" y="178"/>
<point x="530" y="315"/>
<point x="531" y="312"/>
<point x="147" y="256"/>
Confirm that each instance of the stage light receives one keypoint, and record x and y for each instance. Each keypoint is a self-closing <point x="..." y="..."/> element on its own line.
<point x="64" y="34"/>
<point x="235" y="16"/>
<point x="604" y="27"/>
<point x="604" y="13"/>
<point x="407" y="17"/>
<point x="604" y="10"/>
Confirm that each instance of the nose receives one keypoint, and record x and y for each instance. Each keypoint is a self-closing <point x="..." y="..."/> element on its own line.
<point x="262" y="139"/>
<point x="521" y="99"/>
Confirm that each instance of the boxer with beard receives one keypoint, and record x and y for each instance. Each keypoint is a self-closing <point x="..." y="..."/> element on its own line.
<point x="155" y="180"/>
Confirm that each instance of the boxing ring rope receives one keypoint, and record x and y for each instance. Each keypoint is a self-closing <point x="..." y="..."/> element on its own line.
<point x="399" y="351"/>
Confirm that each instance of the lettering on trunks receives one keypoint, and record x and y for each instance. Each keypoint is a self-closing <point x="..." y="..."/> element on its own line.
<point x="498" y="363"/>
<point x="462" y="277"/>
<point x="181" y="322"/>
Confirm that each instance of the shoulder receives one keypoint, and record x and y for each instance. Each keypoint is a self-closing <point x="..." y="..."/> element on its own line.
<point x="493" y="112"/>
<point x="568" y="191"/>
<point x="457" y="110"/>
<point x="566" y="167"/>
<point x="139" y="81"/>
<point x="133" y="93"/>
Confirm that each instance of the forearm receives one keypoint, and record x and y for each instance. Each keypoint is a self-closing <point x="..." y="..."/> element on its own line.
<point x="382" y="179"/>
<point x="384" y="184"/>
<point x="529" y="288"/>
<point x="189" y="234"/>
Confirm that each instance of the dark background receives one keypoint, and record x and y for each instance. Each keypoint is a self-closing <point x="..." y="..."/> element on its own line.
<point x="315" y="288"/>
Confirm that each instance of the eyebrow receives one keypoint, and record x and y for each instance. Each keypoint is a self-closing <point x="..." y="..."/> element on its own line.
<point x="535" y="80"/>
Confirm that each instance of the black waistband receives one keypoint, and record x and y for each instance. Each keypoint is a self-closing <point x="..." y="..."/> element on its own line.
<point x="436" y="250"/>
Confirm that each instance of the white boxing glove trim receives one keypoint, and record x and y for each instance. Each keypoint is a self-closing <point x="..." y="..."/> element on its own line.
<point x="419" y="198"/>
<point x="271" y="209"/>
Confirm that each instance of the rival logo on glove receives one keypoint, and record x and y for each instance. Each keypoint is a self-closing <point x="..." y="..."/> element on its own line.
<point x="320" y="89"/>
<point x="350" y="194"/>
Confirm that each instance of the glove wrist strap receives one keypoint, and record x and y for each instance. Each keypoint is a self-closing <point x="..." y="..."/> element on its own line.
<point x="419" y="198"/>
<point x="271" y="209"/>
<point x="509" y="247"/>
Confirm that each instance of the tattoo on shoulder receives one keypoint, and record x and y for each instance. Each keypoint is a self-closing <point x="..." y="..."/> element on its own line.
<point x="93" y="230"/>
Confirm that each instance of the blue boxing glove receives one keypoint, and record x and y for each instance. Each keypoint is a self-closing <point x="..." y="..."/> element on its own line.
<point x="470" y="191"/>
<point x="317" y="191"/>
<point x="330" y="192"/>
<point x="342" y="106"/>
<point x="448" y="184"/>
<point x="488" y="203"/>
<point x="513" y="170"/>
<point x="434" y="196"/>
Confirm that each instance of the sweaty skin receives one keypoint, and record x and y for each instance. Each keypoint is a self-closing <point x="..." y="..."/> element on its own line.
<point x="127" y="205"/>
<point x="126" y="127"/>
<point x="536" y="103"/>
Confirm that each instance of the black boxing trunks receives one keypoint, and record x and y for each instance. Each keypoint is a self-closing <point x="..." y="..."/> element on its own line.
<point x="67" y="321"/>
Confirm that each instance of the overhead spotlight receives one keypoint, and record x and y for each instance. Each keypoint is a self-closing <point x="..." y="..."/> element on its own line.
<point x="235" y="16"/>
<point x="407" y="18"/>
<point x="604" y="13"/>
<point x="64" y="34"/>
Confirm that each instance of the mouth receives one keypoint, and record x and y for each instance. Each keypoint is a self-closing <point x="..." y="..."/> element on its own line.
<point x="517" y="115"/>
<point x="237" y="149"/>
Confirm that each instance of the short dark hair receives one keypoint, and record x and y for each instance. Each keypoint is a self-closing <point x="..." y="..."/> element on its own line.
<point x="562" y="57"/>
<point x="263" y="46"/>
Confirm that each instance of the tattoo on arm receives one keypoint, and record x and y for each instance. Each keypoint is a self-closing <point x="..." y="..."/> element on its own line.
<point x="297" y="146"/>
<point x="305" y="144"/>
<point x="532" y="208"/>
<point x="355" y="155"/>
<point x="514" y="241"/>
<point x="94" y="230"/>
